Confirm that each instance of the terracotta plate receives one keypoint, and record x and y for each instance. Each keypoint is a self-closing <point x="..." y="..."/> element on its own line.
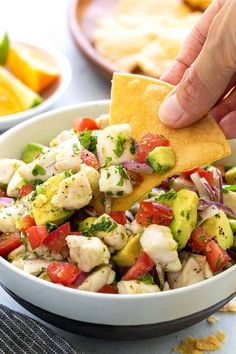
<point x="82" y="21"/>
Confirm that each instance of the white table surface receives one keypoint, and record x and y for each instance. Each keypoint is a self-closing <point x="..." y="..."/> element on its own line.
<point x="45" y="21"/>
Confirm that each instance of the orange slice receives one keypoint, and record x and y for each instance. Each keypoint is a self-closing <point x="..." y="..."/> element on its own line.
<point x="14" y="95"/>
<point x="34" y="67"/>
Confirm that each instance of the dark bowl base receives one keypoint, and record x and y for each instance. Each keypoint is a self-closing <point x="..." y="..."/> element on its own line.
<point x="109" y="332"/>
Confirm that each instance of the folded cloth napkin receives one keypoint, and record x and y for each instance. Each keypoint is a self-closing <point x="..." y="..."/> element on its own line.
<point x="20" y="334"/>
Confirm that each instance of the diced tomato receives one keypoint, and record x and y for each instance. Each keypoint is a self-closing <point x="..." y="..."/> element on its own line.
<point x="187" y="174"/>
<point x="216" y="256"/>
<point x="86" y="123"/>
<point x="208" y="175"/>
<point x="135" y="178"/>
<point x="56" y="239"/>
<point x="36" y="235"/>
<point x="142" y="266"/>
<point x="26" y="222"/>
<point x="9" y="242"/>
<point x="89" y="159"/>
<point x="25" y="190"/>
<point x="63" y="273"/>
<point x="108" y="289"/>
<point x="154" y="213"/>
<point x="149" y="142"/>
<point x="198" y="240"/>
<point x="3" y="193"/>
<point x="118" y="216"/>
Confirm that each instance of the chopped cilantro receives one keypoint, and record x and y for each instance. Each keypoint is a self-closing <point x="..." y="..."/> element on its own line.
<point x="147" y="279"/>
<point x="33" y="196"/>
<point x="120" y="183"/>
<point x="182" y="213"/>
<point x="228" y="167"/>
<point x="120" y="193"/>
<point x="88" y="141"/>
<point x="120" y="145"/>
<point x="109" y="193"/>
<point x="26" y="256"/>
<point x="50" y="226"/>
<point x="36" y="182"/>
<point x="76" y="149"/>
<point x="38" y="171"/>
<point x="230" y="188"/>
<point x="133" y="146"/>
<point x="105" y="225"/>
<point x="168" y="196"/>
<point x="123" y="172"/>
<point x="108" y="161"/>
<point x="68" y="174"/>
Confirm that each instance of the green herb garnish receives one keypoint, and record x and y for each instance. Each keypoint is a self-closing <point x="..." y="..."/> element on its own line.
<point x="38" y="171"/>
<point x="147" y="279"/>
<point x="50" y="226"/>
<point x="36" y="182"/>
<point x="231" y="188"/>
<point x="133" y="146"/>
<point x="168" y="196"/>
<point x="88" y="141"/>
<point x="105" y="225"/>
<point x="120" y="145"/>
<point x="76" y="149"/>
<point x="108" y="161"/>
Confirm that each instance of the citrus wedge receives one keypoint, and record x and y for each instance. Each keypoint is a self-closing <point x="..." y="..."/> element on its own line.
<point x="4" y="47"/>
<point x="14" y="95"/>
<point x="32" y="66"/>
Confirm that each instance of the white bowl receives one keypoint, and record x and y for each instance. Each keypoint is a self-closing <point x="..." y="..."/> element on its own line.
<point x="114" y="316"/>
<point x="50" y="95"/>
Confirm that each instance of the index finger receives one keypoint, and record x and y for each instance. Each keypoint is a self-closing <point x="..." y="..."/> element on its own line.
<point x="193" y="45"/>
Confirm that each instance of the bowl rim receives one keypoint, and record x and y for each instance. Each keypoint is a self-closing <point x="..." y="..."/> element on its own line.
<point x="94" y="295"/>
<point x="65" y="79"/>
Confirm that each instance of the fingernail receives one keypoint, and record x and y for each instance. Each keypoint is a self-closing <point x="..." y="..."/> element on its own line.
<point x="171" y="110"/>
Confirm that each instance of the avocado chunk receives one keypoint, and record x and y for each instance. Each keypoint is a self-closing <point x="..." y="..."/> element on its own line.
<point x="85" y="225"/>
<point x="42" y="209"/>
<point x="127" y="256"/>
<point x="162" y="158"/>
<point x="184" y="216"/>
<point x="230" y="176"/>
<point x="218" y="226"/>
<point x="32" y="151"/>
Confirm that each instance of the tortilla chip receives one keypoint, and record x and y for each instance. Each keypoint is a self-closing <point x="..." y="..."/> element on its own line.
<point x="136" y="99"/>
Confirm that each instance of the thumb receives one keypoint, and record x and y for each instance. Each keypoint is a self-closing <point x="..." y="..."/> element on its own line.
<point x="206" y="79"/>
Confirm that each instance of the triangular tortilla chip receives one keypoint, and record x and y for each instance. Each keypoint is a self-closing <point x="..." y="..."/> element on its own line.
<point x="136" y="99"/>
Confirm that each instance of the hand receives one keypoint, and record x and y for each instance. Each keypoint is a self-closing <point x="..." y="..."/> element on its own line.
<point x="205" y="72"/>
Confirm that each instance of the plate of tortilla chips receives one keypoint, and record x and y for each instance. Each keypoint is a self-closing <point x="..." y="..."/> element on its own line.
<point x="133" y="36"/>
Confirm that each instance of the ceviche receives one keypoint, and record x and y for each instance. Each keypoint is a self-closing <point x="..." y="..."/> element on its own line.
<point x="180" y="233"/>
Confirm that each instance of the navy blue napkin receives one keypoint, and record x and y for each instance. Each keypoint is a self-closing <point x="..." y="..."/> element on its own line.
<point x="20" y="334"/>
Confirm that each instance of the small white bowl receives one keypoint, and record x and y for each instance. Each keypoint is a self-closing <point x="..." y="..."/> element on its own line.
<point x="105" y="315"/>
<point x="50" y="95"/>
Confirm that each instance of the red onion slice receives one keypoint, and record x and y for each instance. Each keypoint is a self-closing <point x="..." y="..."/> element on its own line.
<point x="5" y="201"/>
<point x="218" y="180"/>
<point x="202" y="190"/>
<point x="204" y="203"/>
<point x="138" y="167"/>
<point x="207" y="214"/>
